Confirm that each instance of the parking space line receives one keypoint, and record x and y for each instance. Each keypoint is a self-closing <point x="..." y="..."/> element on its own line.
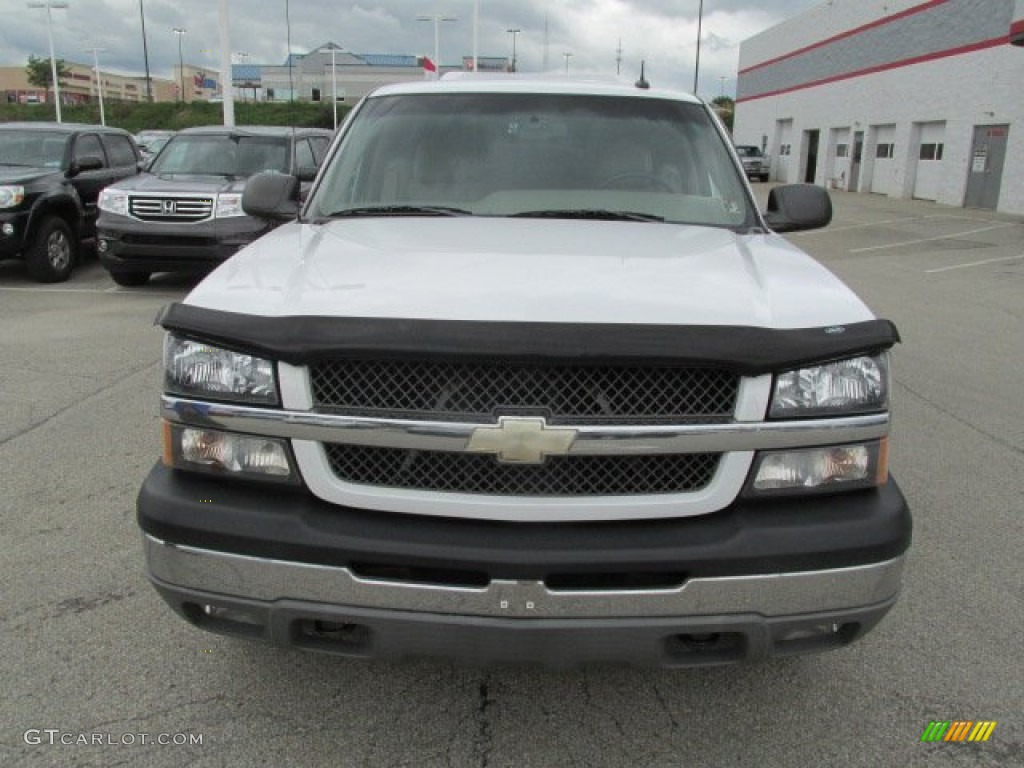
<point x="866" y="224"/>
<point x="974" y="264"/>
<point x="950" y="236"/>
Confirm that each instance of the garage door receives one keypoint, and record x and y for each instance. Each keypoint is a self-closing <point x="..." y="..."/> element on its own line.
<point x="929" y="161"/>
<point x="883" y="176"/>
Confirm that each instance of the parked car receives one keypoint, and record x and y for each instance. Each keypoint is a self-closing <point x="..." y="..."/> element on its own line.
<point x="152" y="141"/>
<point x="184" y="214"/>
<point x="528" y="377"/>
<point x="756" y="164"/>
<point x="51" y="175"/>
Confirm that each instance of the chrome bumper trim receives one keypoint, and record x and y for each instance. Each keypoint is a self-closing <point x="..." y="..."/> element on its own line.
<point x="778" y="594"/>
<point x="589" y="440"/>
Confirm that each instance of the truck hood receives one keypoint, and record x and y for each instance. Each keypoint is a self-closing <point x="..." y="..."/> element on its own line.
<point x="175" y="184"/>
<point x="520" y="270"/>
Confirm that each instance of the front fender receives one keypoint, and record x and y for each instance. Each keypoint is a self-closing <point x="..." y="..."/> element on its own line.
<point x="63" y="202"/>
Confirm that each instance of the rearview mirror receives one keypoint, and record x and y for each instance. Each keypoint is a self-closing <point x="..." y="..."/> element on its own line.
<point x="271" y="195"/>
<point x="796" y="207"/>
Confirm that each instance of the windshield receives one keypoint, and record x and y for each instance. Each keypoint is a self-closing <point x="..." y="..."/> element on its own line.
<point x="222" y="155"/>
<point x="511" y="154"/>
<point x="152" y="144"/>
<point x="37" y="149"/>
<point x="748" y="151"/>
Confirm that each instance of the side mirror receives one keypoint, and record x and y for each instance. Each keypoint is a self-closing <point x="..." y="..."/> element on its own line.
<point x="85" y="163"/>
<point x="306" y="172"/>
<point x="796" y="207"/>
<point x="271" y="195"/>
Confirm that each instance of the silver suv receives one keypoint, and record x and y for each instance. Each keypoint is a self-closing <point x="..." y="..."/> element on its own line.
<point x="756" y="163"/>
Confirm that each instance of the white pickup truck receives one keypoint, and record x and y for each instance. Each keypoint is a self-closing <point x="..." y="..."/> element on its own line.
<point x="528" y="377"/>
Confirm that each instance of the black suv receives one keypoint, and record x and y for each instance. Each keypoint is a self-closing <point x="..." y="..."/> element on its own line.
<point x="185" y="214"/>
<point x="51" y="175"/>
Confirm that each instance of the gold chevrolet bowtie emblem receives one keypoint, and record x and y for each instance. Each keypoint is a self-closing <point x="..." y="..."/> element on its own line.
<point x="521" y="440"/>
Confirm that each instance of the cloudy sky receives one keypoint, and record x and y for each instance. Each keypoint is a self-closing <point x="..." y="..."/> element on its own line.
<point x="661" y="32"/>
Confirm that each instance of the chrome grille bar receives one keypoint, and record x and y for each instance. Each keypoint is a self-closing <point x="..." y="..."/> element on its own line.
<point x="592" y="440"/>
<point x="171" y="208"/>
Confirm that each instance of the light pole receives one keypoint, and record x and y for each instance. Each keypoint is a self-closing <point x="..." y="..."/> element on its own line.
<point x="514" y="33"/>
<point x="334" y="83"/>
<point x="723" y="79"/>
<point x="180" y="32"/>
<point x="567" y="57"/>
<point x="243" y="58"/>
<point x="99" y="81"/>
<point x="437" y="19"/>
<point x="53" y="60"/>
<point x="145" y="54"/>
<point x="476" y="33"/>
<point x="227" y="89"/>
<point x="696" y="68"/>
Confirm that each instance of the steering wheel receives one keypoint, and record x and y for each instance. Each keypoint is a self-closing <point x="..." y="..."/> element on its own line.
<point x="649" y="178"/>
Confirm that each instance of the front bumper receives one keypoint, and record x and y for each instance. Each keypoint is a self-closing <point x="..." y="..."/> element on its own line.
<point x="750" y="581"/>
<point x="129" y="245"/>
<point x="13" y="244"/>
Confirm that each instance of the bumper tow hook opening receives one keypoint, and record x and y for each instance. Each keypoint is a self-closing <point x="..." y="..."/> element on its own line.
<point x="706" y="647"/>
<point x="337" y="636"/>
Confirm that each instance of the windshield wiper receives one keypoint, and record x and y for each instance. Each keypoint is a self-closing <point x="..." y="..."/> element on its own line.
<point x="398" y="210"/>
<point x="588" y="213"/>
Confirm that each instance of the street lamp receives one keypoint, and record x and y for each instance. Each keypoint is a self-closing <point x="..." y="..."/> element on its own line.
<point x="243" y="58"/>
<point x="53" y="60"/>
<point x="696" y="68"/>
<point x="99" y="81"/>
<point x="180" y="32"/>
<point x="567" y="57"/>
<point x="145" y="54"/>
<point x="514" y="33"/>
<point x="437" y="19"/>
<point x="334" y="82"/>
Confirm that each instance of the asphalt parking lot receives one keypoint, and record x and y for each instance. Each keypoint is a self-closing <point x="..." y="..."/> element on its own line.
<point x="89" y="648"/>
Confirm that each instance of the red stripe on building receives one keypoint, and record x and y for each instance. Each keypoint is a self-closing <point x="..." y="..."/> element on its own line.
<point x="972" y="48"/>
<point x="849" y="33"/>
<point x="1017" y="32"/>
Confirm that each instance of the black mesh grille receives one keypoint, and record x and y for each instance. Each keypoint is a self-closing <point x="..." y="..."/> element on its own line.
<point x="578" y="394"/>
<point x="557" y="476"/>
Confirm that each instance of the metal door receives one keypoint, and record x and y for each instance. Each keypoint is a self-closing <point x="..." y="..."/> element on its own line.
<point x="858" y="150"/>
<point x="985" y="173"/>
<point x="811" y="148"/>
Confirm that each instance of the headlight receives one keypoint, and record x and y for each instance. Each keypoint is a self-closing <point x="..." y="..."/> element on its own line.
<point x="10" y="196"/>
<point x="857" y="385"/>
<point x="114" y="201"/>
<point x="213" y="451"/>
<point x="194" y="369"/>
<point x="820" y="470"/>
<point x="229" y="205"/>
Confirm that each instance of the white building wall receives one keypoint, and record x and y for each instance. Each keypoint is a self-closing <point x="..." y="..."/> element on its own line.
<point x="978" y="87"/>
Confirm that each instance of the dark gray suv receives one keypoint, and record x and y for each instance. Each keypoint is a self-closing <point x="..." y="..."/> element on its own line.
<point x="185" y="213"/>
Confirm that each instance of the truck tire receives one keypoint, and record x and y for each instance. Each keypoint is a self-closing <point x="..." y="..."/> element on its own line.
<point x="130" y="279"/>
<point x="53" y="253"/>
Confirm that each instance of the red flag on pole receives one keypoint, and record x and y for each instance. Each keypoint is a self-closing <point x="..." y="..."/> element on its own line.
<point x="429" y="68"/>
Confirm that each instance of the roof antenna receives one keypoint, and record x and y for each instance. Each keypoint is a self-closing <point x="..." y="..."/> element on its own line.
<point x="642" y="82"/>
